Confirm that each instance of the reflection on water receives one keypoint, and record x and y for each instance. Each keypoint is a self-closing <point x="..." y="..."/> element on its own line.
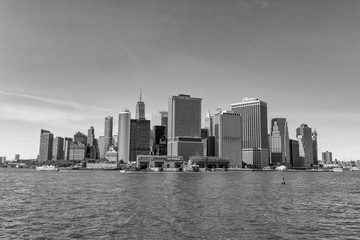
<point x="210" y="205"/>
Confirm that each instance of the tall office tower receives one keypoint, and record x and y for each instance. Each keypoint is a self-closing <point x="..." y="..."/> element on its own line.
<point x="90" y="136"/>
<point x="124" y="136"/>
<point x="327" y="157"/>
<point x="67" y="143"/>
<point x="101" y="147"/>
<point x="315" y="148"/>
<point x="255" y="149"/>
<point x="92" y="151"/>
<point x="139" y="138"/>
<point x="46" y="142"/>
<point x="140" y="108"/>
<point x="184" y="127"/>
<point x="279" y="142"/>
<point x="108" y="134"/>
<point x="228" y="137"/>
<point x="304" y="136"/>
<point x="58" y="148"/>
<point x="294" y="153"/>
<point x="209" y="123"/>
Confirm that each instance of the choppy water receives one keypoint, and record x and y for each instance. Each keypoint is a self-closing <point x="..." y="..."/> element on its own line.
<point x="211" y="205"/>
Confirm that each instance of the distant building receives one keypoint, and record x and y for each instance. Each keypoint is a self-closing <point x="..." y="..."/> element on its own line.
<point x="101" y="147"/>
<point x="159" y="140"/>
<point x="111" y="155"/>
<point x="255" y="149"/>
<point x="279" y="142"/>
<point x="209" y="123"/>
<point x="295" y="160"/>
<point x="327" y="157"/>
<point x="77" y="151"/>
<point x="140" y="108"/>
<point x="184" y="127"/>
<point x="209" y="146"/>
<point x="67" y="143"/>
<point x="139" y="138"/>
<point x="58" y="148"/>
<point x="304" y="136"/>
<point x="92" y="144"/>
<point x="228" y="137"/>
<point x="108" y="137"/>
<point x="46" y="144"/>
<point x="90" y="136"/>
<point x="80" y="137"/>
<point x="124" y="136"/>
<point x="17" y="157"/>
<point x="315" y="148"/>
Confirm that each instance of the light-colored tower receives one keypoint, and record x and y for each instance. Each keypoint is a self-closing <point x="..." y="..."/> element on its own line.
<point x="140" y="108"/>
<point x="279" y="142"/>
<point x="255" y="136"/>
<point x="184" y="126"/>
<point x="228" y="137"/>
<point x="209" y="123"/>
<point x="108" y="135"/>
<point x="304" y="136"/>
<point x="124" y="136"/>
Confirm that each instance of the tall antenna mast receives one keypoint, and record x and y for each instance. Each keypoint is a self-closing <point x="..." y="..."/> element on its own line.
<point x="140" y="94"/>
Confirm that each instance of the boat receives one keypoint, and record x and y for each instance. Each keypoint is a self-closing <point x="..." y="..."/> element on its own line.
<point x="354" y="169"/>
<point x="195" y="167"/>
<point x="46" y="168"/>
<point x="338" y="169"/>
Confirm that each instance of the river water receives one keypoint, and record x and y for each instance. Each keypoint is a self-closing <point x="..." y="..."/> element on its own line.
<point x="203" y="205"/>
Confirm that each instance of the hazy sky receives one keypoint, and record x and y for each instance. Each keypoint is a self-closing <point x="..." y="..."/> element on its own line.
<point x="65" y="65"/>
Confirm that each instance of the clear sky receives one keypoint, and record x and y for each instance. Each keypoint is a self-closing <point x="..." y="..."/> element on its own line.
<point x="65" y="65"/>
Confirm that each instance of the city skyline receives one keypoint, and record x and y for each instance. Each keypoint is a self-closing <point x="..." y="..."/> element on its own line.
<point x="65" y="65"/>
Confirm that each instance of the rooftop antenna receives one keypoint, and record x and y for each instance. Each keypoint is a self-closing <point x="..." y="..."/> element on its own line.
<point x="140" y="94"/>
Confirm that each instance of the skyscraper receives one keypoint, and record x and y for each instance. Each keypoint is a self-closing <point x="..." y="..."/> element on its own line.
<point x="90" y="136"/>
<point x="101" y="147"/>
<point x="255" y="149"/>
<point x="304" y="136"/>
<point x="46" y="144"/>
<point x="228" y="137"/>
<point x="124" y="136"/>
<point x="209" y="123"/>
<point x="58" y="148"/>
<point x="184" y="127"/>
<point x="139" y="138"/>
<point x="108" y="136"/>
<point x="67" y="143"/>
<point x="294" y="153"/>
<point x="140" y="108"/>
<point x="315" y="148"/>
<point x="279" y="142"/>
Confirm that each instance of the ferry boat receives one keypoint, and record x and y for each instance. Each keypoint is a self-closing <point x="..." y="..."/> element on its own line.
<point x="338" y="169"/>
<point x="46" y="168"/>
